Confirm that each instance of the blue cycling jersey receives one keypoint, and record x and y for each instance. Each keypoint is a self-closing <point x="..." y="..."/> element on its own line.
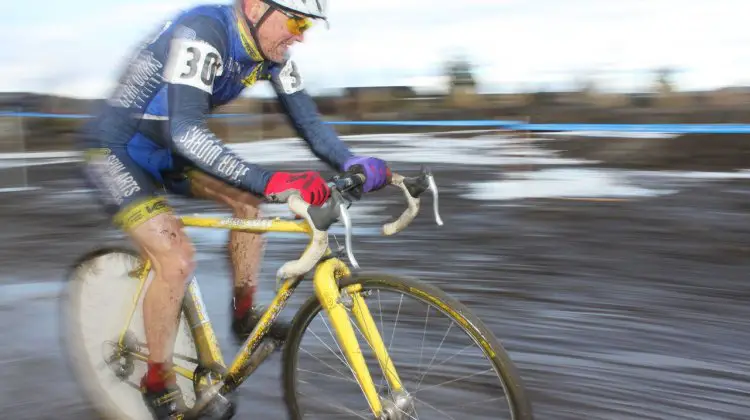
<point x="203" y="58"/>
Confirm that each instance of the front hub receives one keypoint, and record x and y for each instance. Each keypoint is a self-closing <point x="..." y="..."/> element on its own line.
<point x="399" y="406"/>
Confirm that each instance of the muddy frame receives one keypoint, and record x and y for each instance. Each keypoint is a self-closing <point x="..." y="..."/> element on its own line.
<point x="328" y="268"/>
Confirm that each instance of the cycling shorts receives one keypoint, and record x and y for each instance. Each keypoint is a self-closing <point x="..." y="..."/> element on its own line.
<point x="129" y="192"/>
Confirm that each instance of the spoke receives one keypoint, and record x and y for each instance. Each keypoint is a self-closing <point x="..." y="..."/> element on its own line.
<point x="398" y="314"/>
<point x="459" y="352"/>
<point x="436" y="409"/>
<point x="326" y="374"/>
<point x="434" y="355"/>
<point x="326" y="363"/>
<point x="338" y="406"/>
<point x="351" y="369"/>
<point x="382" y="368"/>
<point x="380" y="311"/>
<point x="465" y="404"/>
<point x="409" y="415"/>
<point x="421" y="370"/>
<point x="424" y="335"/>
<point x="454" y="380"/>
<point x="329" y="348"/>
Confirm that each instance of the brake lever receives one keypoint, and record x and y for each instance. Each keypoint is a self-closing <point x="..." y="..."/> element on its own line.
<point x="334" y="210"/>
<point x="344" y="215"/>
<point x="434" y="191"/>
<point x="425" y="182"/>
<point x="337" y="208"/>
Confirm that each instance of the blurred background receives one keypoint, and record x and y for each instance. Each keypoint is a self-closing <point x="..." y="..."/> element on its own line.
<point x="609" y="258"/>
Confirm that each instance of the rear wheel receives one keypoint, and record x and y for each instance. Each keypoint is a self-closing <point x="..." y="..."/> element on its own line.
<point x="100" y="292"/>
<point x="450" y="364"/>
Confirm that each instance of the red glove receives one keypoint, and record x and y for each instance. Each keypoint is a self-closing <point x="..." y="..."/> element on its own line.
<point x="310" y="185"/>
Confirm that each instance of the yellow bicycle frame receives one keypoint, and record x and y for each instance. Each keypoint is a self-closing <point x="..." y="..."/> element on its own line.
<point x="325" y="281"/>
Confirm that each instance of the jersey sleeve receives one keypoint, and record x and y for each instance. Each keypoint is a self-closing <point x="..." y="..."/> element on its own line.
<point x="196" y="56"/>
<point x="304" y="117"/>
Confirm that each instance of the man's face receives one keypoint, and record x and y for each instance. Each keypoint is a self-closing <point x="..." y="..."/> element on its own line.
<point x="279" y="32"/>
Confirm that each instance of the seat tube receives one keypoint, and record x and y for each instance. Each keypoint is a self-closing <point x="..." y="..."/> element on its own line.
<point x="141" y="273"/>
<point x="207" y="345"/>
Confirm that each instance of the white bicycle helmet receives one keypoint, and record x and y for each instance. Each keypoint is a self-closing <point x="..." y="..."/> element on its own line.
<point x="316" y="9"/>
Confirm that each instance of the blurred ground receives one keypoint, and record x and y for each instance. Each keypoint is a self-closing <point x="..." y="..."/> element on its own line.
<point x="620" y="292"/>
<point x="704" y="152"/>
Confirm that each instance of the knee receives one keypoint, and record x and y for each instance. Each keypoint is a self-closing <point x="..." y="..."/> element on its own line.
<point x="246" y="210"/>
<point x="177" y="265"/>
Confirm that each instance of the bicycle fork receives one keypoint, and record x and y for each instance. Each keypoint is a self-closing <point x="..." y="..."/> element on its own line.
<point x="335" y="304"/>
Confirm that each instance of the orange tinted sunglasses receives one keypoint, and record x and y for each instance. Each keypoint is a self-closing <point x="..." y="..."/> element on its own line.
<point x="297" y="25"/>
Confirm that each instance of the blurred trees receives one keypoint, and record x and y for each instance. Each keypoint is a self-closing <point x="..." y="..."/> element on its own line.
<point x="460" y="72"/>
<point x="664" y="80"/>
<point x="462" y="84"/>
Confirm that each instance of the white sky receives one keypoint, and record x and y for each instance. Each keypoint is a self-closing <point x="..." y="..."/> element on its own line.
<point x="75" y="47"/>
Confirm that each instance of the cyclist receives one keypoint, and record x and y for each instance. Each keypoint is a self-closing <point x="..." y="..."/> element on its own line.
<point x="151" y="136"/>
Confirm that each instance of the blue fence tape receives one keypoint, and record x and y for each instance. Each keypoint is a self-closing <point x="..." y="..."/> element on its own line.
<point x="506" y="124"/>
<point x="522" y="126"/>
<point x="42" y="115"/>
<point x="443" y="123"/>
<point x="640" y="128"/>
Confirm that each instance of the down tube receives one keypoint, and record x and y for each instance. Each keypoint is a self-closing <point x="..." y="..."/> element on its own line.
<point x="327" y="291"/>
<point x="243" y="363"/>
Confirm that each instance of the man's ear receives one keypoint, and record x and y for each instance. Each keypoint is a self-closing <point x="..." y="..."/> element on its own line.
<point x="254" y="9"/>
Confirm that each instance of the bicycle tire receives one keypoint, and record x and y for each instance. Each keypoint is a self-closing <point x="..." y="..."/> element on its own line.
<point x="449" y="306"/>
<point x="82" y="359"/>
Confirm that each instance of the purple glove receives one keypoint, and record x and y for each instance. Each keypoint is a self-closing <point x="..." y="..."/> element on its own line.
<point x="376" y="171"/>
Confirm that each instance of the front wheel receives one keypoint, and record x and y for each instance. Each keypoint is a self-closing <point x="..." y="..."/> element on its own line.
<point x="450" y="364"/>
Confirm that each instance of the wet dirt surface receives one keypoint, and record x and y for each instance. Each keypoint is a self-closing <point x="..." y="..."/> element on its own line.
<point x="619" y="294"/>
